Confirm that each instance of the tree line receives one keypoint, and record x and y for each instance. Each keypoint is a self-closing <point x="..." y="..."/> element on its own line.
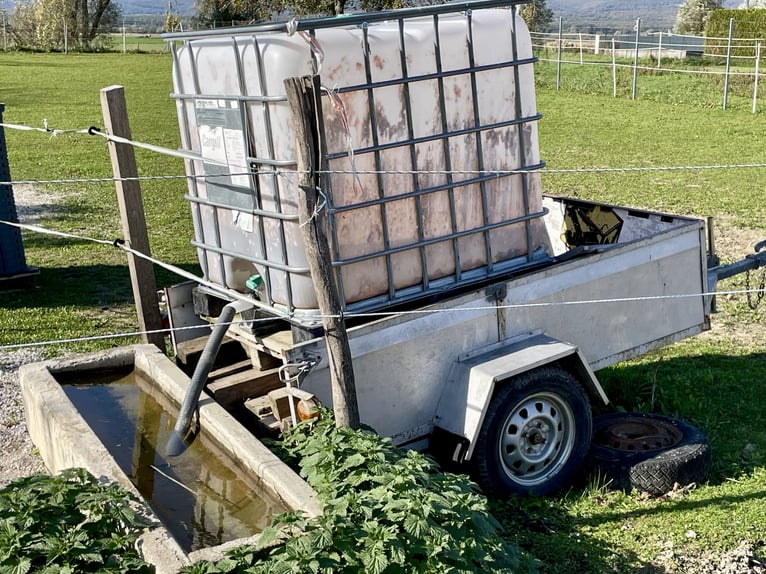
<point x="84" y="25"/>
<point x="50" y="25"/>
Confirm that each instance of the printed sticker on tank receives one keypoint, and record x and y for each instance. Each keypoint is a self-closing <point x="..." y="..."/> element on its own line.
<point x="223" y="146"/>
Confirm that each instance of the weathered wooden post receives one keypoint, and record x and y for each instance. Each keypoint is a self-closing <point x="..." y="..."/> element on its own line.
<point x="131" y="205"/>
<point x="303" y="97"/>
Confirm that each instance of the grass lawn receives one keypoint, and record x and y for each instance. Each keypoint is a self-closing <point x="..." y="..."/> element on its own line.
<point x="714" y="380"/>
<point x="138" y="43"/>
<point x="84" y="288"/>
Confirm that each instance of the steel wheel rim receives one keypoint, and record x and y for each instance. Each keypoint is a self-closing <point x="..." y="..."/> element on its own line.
<point x="639" y="434"/>
<point x="536" y="439"/>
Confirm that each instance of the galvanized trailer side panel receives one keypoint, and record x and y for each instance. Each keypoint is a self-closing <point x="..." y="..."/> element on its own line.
<point x="402" y="363"/>
<point x="632" y="298"/>
<point x="401" y="366"/>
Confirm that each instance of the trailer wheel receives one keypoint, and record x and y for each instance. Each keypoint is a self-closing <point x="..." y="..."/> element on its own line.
<point x="649" y="452"/>
<point x="535" y="436"/>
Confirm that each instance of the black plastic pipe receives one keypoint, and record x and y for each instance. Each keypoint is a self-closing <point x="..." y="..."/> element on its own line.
<point x="176" y="444"/>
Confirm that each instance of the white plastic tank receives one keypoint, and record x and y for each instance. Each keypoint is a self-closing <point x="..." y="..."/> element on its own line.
<point x="419" y="115"/>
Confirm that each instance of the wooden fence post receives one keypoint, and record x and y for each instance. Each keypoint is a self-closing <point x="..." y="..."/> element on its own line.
<point x="303" y="95"/>
<point x="131" y="206"/>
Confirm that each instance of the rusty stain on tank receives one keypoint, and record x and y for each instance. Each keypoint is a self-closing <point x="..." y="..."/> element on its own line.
<point x="391" y="118"/>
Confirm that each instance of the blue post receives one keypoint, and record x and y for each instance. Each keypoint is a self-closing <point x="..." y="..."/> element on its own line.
<point x="12" y="261"/>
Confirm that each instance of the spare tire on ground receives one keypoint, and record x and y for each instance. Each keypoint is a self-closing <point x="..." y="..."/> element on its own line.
<point x="649" y="452"/>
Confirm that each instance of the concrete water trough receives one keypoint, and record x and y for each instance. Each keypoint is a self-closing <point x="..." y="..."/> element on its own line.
<point x="66" y="439"/>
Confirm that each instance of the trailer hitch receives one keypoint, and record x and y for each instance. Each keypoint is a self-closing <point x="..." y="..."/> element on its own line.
<point x="749" y="263"/>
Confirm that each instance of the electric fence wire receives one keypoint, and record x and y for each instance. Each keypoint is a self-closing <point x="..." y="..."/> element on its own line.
<point x="119" y="243"/>
<point x="232" y="294"/>
<point x="652" y="69"/>
<point x="292" y="172"/>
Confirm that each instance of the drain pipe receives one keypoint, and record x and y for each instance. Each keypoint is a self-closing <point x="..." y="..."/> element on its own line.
<point x="176" y="444"/>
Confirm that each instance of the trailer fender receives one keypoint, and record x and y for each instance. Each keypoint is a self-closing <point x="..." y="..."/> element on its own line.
<point x="474" y="376"/>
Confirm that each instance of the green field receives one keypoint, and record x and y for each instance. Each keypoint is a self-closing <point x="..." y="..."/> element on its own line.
<point x="715" y="380"/>
<point x="138" y="43"/>
<point x="84" y="288"/>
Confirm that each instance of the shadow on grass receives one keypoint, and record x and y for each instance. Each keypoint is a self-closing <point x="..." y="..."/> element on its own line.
<point x="719" y="390"/>
<point x="716" y="389"/>
<point x="544" y="529"/>
<point x="669" y="506"/>
<point x="97" y="286"/>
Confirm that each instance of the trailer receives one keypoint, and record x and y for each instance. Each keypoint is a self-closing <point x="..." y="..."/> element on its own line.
<point x="477" y="308"/>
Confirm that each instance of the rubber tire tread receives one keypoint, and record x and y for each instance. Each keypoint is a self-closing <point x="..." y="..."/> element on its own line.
<point x="655" y="472"/>
<point x="487" y="469"/>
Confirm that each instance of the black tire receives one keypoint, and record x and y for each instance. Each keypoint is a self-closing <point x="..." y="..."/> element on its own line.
<point x="535" y="436"/>
<point x="652" y="453"/>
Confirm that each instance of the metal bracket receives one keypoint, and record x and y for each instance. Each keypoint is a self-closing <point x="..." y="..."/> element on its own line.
<point x="294" y="372"/>
<point x="496" y="293"/>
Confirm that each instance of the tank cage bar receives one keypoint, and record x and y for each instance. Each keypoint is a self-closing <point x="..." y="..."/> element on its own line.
<point x="264" y="170"/>
<point x="357" y="19"/>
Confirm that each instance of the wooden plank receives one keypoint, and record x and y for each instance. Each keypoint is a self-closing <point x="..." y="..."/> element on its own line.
<point x="264" y="421"/>
<point x="230" y="370"/>
<point x="280" y="403"/>
<point x="132" y="215"/>
<point x="237" y="388"/>
<point x="259" y="406"/>
<point x="280" y="341"/>
<point x="189" y="352"/>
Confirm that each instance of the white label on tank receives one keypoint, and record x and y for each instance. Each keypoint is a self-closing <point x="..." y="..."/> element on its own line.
<point x="224" y="149"/>
<point x="234" y="140"/>
<point x="206" y="104"/>
<point x="244" y="221"/>
<point x="212" y="143"/>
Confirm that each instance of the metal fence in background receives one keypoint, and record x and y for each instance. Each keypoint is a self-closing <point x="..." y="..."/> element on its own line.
<point x="728" y="57"/>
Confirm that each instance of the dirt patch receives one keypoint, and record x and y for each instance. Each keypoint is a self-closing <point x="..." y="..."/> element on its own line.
<point x="32" y="204"/>
<point x="747" y="558"/>
<point x="19" y="455"/>
<point x="733" y="243"/>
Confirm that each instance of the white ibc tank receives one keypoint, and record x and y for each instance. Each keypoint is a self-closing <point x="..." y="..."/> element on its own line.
<point x="420" y="114"/>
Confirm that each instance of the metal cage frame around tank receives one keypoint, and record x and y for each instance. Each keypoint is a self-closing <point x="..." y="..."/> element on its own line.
<point x="269" y="166"/>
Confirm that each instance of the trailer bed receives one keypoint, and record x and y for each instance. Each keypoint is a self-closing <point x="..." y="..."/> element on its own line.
<point x="642" y="287"/>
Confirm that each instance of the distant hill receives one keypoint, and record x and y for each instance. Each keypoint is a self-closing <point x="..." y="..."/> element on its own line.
<point x="618" y="15"/>
<point x="132" y="7"/>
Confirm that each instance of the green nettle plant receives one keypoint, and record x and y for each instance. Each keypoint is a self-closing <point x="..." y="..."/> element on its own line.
<point x="67" y="524"/>
<point x="385" y="511"/>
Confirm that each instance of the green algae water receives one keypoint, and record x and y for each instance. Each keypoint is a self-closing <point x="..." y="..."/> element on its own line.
<point x="199" y="496"/>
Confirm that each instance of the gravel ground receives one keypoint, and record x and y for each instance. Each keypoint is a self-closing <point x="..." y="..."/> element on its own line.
<point x="19" y="457"/>
<point x="18" y="453"/>
<point x="746" y="558"/>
